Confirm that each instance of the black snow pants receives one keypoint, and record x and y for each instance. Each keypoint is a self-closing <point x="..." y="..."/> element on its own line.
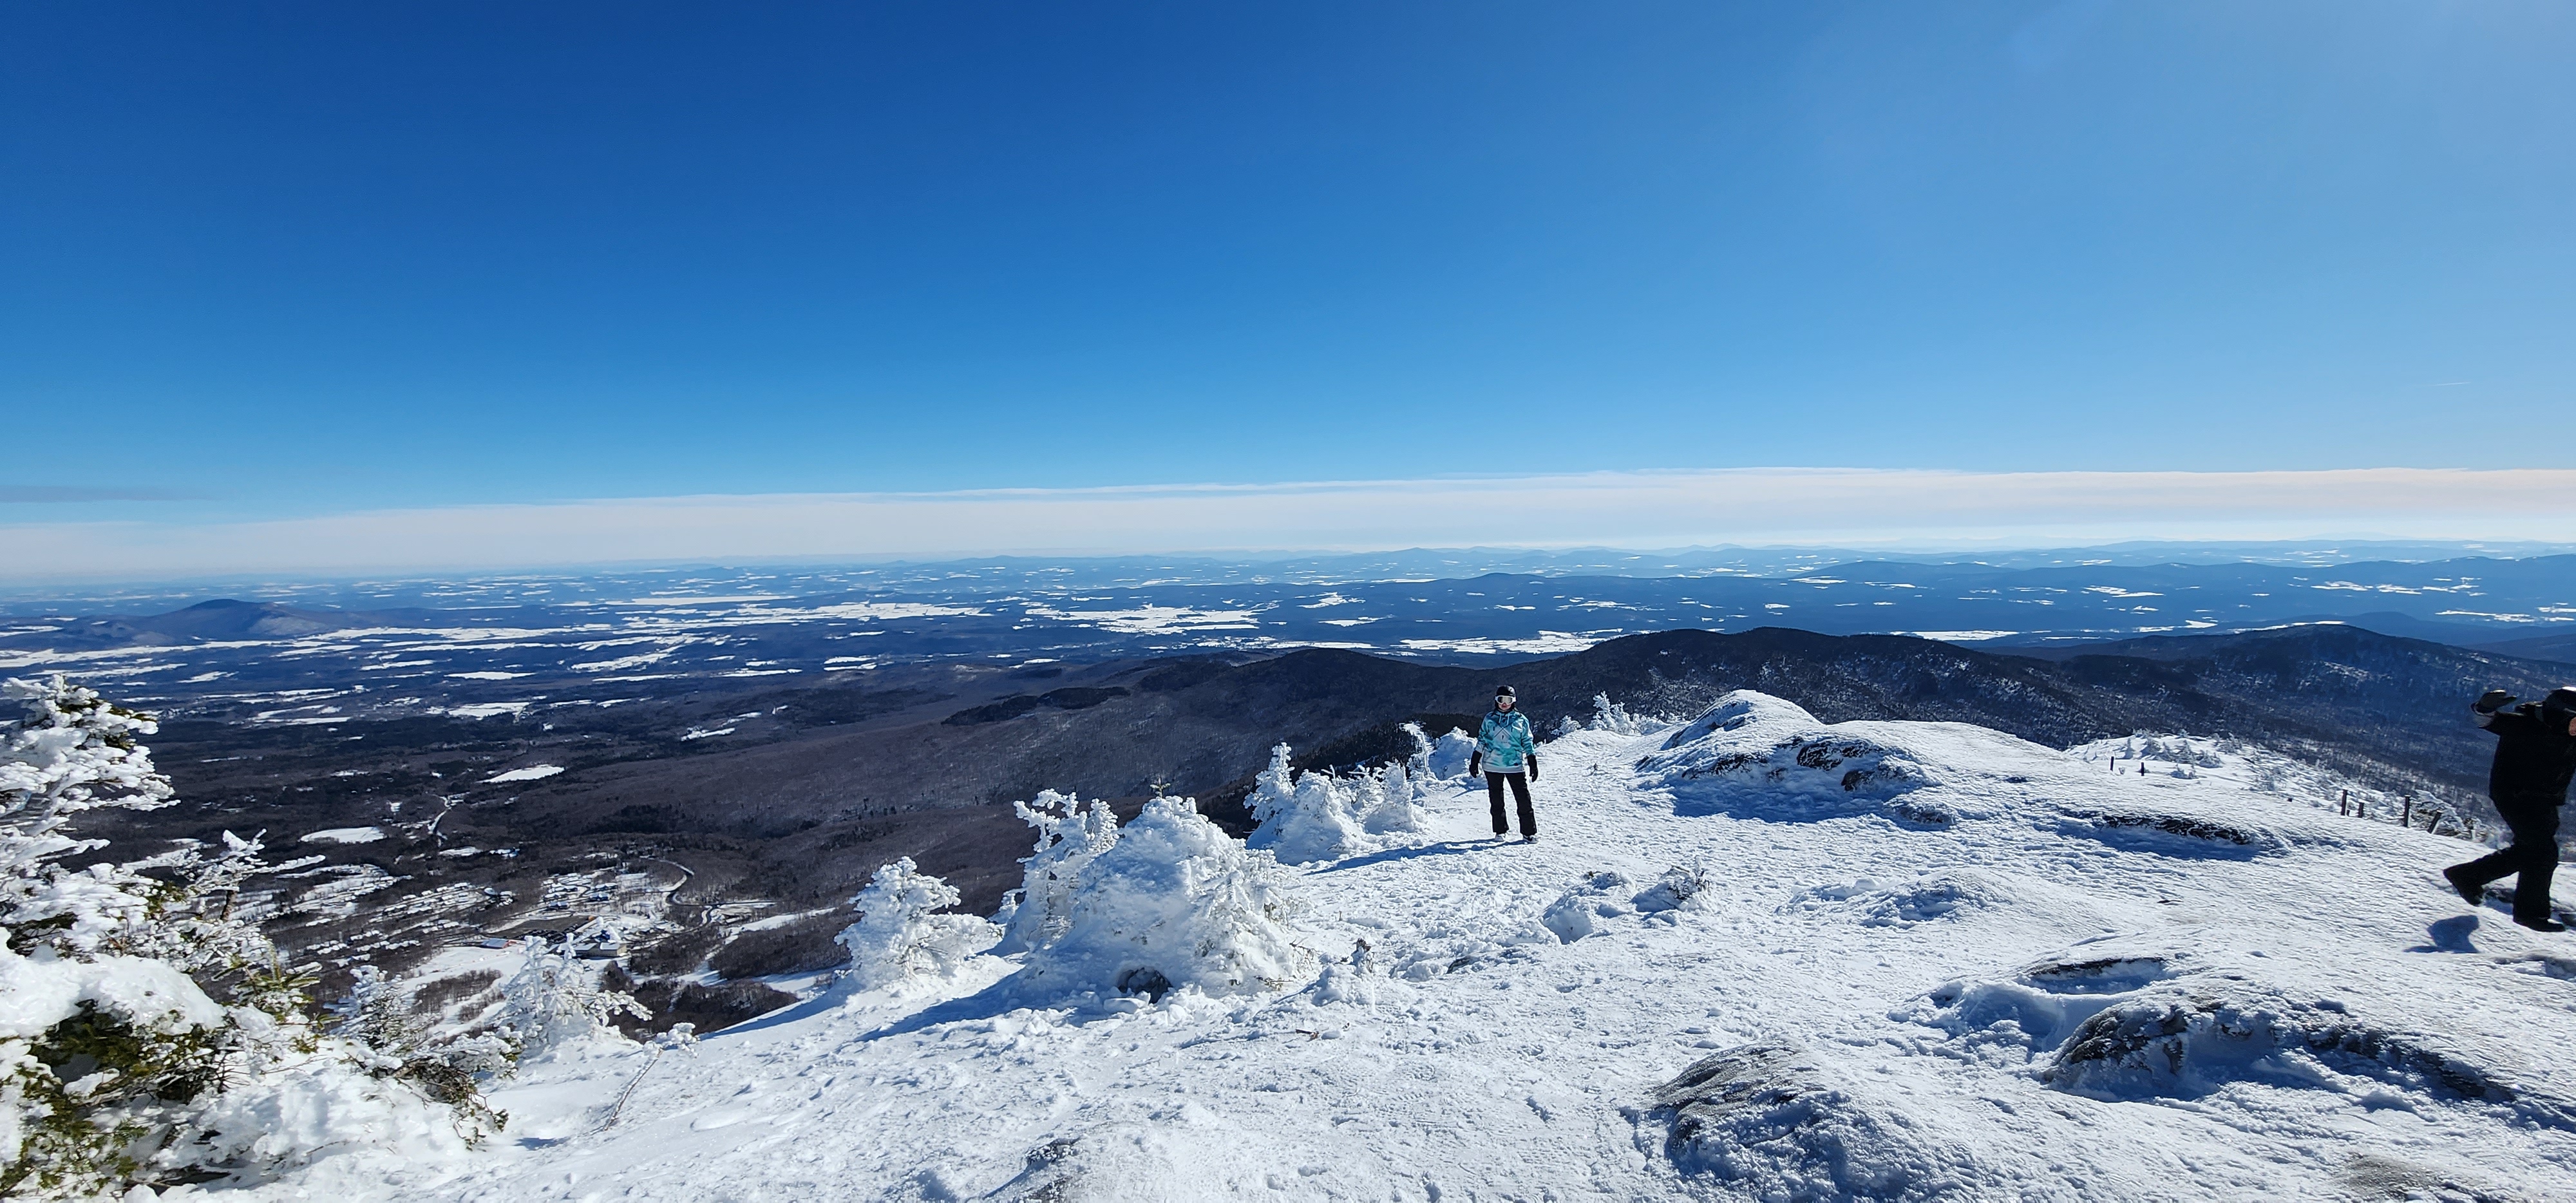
<point x="2533" y="855"/>
<point x="1520" y="790"/>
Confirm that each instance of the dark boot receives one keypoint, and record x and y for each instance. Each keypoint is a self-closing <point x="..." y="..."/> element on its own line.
<point x="2470" y="888"/>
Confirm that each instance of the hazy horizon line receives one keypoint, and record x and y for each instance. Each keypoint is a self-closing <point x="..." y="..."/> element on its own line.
<point x="1926" y="511"/>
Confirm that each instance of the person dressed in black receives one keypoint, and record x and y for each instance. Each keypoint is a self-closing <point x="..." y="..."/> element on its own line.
<point x="2535" y="756"/>
<point x="1507" y="754"/>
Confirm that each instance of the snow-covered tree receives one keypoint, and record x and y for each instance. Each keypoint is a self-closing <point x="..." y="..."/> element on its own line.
<point x="1385" y="801"/>
<point x="555" y="1002"/>
<point x="900" y="933"/>
<point x="1417" y="765"/>
<point x="1175" y="904"/>
<point x="1303" y="817"/>
<point x="1316" y="816"/>
<point x="1614" y="718"/>
<point x="149" y="1035"/>
<point x="1070" y="834"/>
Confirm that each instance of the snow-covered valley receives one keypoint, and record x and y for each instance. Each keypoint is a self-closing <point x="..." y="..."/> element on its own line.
<point x="1756" y="957"/>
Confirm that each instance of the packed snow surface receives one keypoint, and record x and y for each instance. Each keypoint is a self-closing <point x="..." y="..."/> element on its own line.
<point x="1752" y="957"/>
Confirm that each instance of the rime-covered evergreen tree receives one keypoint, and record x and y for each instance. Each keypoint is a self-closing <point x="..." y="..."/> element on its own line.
<point x="151" y="1036"/>
<point x="900" y="932"/>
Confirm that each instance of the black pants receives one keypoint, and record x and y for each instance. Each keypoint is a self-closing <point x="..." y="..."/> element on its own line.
<point x="1520" y="790"/>
<point x="2533" y="854"/>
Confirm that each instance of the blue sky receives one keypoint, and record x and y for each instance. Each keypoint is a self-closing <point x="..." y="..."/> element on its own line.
<point x="270" y="260"/>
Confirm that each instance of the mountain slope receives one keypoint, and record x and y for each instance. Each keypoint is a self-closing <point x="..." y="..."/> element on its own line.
<point x="1922" y="961"/>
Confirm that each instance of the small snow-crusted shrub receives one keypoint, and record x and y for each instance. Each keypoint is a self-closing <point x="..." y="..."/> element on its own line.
<point x="2182" y="751"/>
<point x="1311" y="816"/>
<point x="555" y="1002"/>
<point x="1175" y="904"/>
<point x="900" y="934"/>
<point x="1070" y="835"/>
<point x="1417" y="765"/>
<point x="1682" y="887"/>
<point x="148" y="1036"/>
<point x="1614" y="718"/>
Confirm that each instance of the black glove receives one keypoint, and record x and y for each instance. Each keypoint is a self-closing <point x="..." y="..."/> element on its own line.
<point x="1532" y="762"/>
<point x="1476" y="765"/>
<point x="2493" y="700"/>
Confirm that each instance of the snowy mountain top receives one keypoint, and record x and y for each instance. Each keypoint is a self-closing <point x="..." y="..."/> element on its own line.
<point x="1757" y="956"/>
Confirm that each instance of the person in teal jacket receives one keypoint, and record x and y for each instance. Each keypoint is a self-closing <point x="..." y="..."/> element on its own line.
<point x="1506" y="752"/>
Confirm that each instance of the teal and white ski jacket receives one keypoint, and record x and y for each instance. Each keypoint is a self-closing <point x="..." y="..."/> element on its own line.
<point x="1504" y="741"/>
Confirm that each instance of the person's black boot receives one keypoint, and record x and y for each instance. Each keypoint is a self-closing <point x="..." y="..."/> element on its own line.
<point x="2543" y="924"/>
<point x="2476" y="895"/>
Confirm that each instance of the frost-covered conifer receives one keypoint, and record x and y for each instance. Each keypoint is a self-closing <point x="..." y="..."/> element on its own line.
<point x="555" y="1002"/>
<point x="1612" y="717"/>
<point x="900" y="933"/>
<point x="1175" y="904"/>
<point x="1303" y="817"/>
<point x="1417" y="766"/>
<point x="1388" y="808"/>
<point x="1070" y="834"/>
<point x="151" y="1036"/>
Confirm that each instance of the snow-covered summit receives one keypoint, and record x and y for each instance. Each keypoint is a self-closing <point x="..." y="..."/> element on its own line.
<point x="1756" y="956"/>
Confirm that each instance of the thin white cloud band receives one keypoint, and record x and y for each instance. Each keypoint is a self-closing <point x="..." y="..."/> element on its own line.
<point x="1636" y="509"/>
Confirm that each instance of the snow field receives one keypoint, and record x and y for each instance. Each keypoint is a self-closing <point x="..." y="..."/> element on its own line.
<point x="1902" y="960"/>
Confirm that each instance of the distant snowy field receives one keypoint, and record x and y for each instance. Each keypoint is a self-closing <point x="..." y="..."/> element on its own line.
<point x="1925" y="961"/>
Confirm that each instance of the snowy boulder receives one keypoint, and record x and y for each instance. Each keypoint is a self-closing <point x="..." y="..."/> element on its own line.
<point x="1905" y="903"/>
<point x="1175" y="904"/>
<point x="1773" y="1122"/>
<point x="1574" y="915"/>
<point x="1450" y="755"/>
<point x="2118" y="1019"/>
<point x="2192" y="830"/>
<point x="2194" y="1035"/>
<point x="1751" y="742"/>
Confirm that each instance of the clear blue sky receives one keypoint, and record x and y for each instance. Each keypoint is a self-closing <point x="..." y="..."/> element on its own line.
<point x="302" y="258"/>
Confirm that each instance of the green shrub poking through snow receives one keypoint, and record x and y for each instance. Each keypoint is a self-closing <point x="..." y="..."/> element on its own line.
<point x="148" y="1037"/>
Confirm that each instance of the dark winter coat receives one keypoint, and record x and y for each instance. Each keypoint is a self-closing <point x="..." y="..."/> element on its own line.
<point x="2534" y="756"/>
